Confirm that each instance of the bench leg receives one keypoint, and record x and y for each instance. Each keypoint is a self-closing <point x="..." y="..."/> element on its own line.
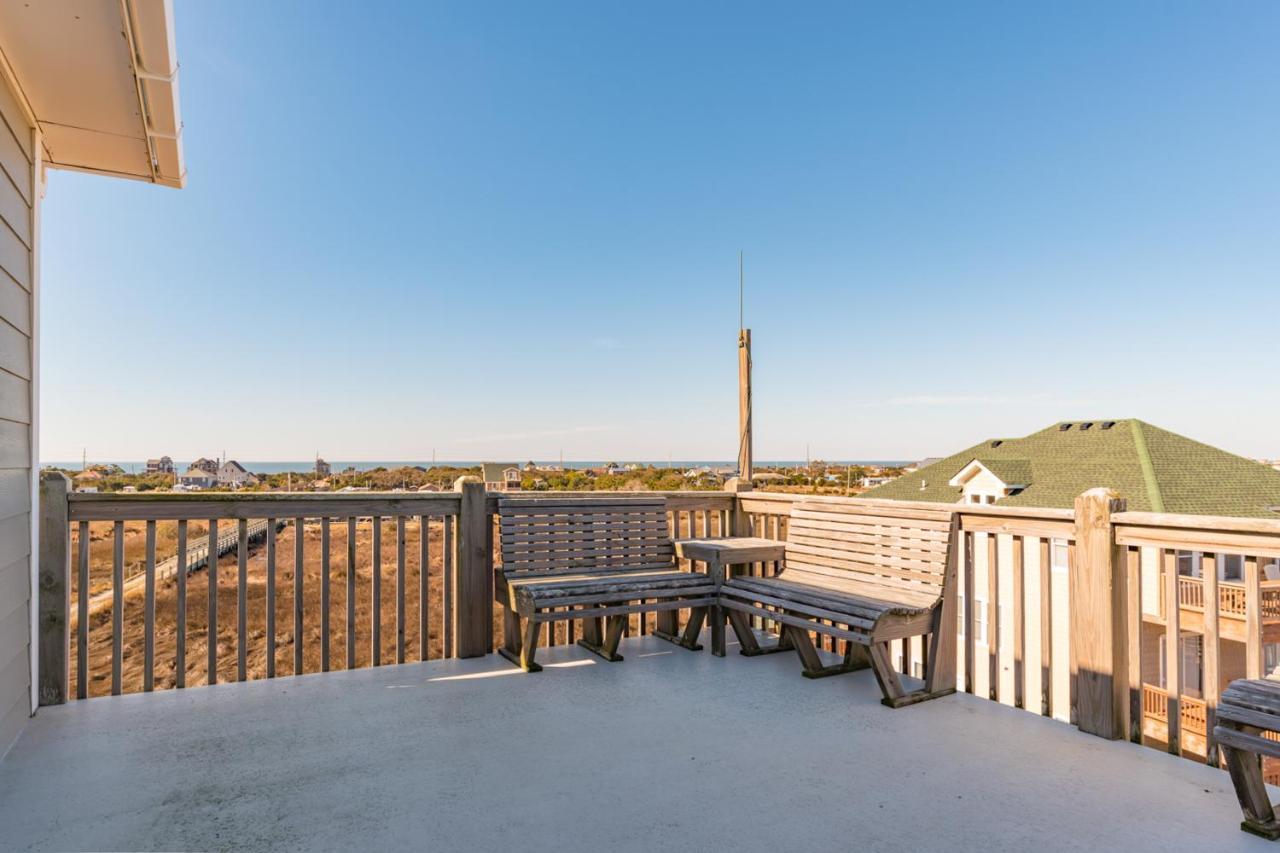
<point x="894" y="694"/>
<point x="716" y="615"/>
<point x="855" y="655"/>
<point x="526" y="646"/>
<point x="747" y="639"/>
<point x="689" y="638"/>
<point x="607" y="647"/>
<point x="1246" y="775"/>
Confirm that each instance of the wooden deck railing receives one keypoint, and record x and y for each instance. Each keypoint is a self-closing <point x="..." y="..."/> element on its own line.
<point x="1053" y="602"/>
<point x="336" y="581"/>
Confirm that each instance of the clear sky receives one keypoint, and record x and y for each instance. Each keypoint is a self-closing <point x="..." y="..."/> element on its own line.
<point x="503" y="230"/>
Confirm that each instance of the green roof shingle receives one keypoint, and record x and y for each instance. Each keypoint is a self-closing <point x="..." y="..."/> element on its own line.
<point x="1153" y="469"/>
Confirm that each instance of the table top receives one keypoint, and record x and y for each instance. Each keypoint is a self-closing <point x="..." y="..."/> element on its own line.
<point x="734" y="549"/>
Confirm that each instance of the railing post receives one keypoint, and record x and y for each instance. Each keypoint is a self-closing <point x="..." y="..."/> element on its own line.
<point x="740" y="524"/>
<point x="54" y="595"/>
<point x="1098" y="617"/>
<point x="472" y="587"/>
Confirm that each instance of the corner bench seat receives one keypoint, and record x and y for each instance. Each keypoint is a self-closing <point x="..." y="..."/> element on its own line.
<point x="528" y="593"/>
<point x="867" y="573"/>
<point x="594" y="559"/>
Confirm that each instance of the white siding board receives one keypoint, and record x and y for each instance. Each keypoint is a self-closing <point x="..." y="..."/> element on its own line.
<point x="15" y="352"/>
<point x="15" y="540"/>
<point x="15" y="210"/>
<point x="15" y="491"/>
<point x="15" y="445"/>
<point x="15" y="258"/>
<point x="15" y="305"/>
<point x="15" y="398"/>
<point x="15" y="164"/>
<point x="16" y="119"/>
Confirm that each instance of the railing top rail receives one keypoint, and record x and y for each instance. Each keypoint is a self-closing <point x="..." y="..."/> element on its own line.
<point x="112" y="506"/>
<point x="963" y="509"/>
<point x="1233" y="524"/>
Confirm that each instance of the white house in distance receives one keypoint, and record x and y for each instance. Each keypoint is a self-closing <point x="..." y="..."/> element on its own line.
<point x="500" y="476"/>
<point x="232" y="473"/>
<point x="91" y="87"/>
<point x="197" y="478"/>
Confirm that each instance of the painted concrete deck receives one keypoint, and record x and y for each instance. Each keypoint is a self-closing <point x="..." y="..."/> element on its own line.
<point x="668" y="750"/>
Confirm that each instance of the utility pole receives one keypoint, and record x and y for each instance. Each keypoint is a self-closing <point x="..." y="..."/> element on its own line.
<point x="744" y="386"/>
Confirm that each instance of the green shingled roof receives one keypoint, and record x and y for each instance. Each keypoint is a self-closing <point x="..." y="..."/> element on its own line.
<point x="1153" y="469"/>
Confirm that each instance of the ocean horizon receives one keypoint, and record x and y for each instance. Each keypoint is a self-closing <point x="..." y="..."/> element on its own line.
<point x="303" y="466"/>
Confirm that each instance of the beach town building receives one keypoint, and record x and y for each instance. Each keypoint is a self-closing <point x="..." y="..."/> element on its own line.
<point x="209" y="466"/>
<point x="323" y="469"/>
<point x="232" y="473"/>
<point x="197" y="478"/>
<point x="500" y="476"/>
<point x="163" y="465"/>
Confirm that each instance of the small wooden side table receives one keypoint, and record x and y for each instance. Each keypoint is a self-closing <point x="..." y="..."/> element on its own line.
<point x="719" y="555"/>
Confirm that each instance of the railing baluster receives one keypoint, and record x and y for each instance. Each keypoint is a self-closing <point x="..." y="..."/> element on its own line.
<point x="180" y="650"/>
<point x="117" y="606"/>
<point x="400" y="580"/>
<point x="149" y="615"/>
<point x="211" y="565"/>
<point x="82" y="610"/>
<point x="324" y="594"/>
<point x="351" y="592"/>
<point x="375" y="640"/>
<point x="447" y="586"/>
<point x="271" y="598"/>
<point x="424" y="570"/>
<point x="299" y="560"/>
<point x="242" y="596"/>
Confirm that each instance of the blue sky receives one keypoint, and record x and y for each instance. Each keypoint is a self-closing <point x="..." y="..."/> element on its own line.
<point x="510" y="229"/>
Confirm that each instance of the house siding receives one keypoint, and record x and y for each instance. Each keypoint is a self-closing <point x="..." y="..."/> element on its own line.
<point x="18" y="198"/>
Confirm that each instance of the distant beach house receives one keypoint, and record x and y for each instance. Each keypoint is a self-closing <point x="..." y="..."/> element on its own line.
<point x="163" y="465"/>
<point x="323" y="469"/>
<point x="209" y="466"/>
<point x="1153" y="469"/>
<point x="197" y="478"/>
<point x="233" y="474"/>
<point x="500" y="476"/>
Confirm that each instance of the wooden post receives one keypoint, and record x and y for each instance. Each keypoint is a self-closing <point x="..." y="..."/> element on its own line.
<point x="474" y="567"/>
<point x="1210" y="686"/>
<point x="1253" y="662"/>
<point x="55" y="589"/>
<point x="739" y="522"/>
<point x="744" y="406"/>
<point x="1172" y="650"/>
<point x="1098" y="616"/>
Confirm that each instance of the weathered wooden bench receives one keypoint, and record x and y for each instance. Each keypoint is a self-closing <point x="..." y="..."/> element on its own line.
<point x="590" y="559"/>
<point x="1248" y="708"/>
<point x="864" y="573"/>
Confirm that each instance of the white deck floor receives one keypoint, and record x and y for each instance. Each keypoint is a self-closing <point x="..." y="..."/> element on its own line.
<point x="668" y="750"/>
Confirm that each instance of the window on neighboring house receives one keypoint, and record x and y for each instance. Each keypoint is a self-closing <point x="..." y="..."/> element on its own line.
<point x="1192" y="654"/>
<point x="1270" y="658"/>
<point x="1231" y="567"/>
<point x="1189" y="564"/>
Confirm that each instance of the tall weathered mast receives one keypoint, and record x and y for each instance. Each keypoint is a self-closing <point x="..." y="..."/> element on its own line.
<point x="744" y="387"/>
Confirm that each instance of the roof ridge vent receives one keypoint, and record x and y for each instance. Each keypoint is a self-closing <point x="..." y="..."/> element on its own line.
<point x="997" y="442"/>
<point x="1064" y="427"/>
<point x="1086" y="425"/>
<point x="1108" y="424"/>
